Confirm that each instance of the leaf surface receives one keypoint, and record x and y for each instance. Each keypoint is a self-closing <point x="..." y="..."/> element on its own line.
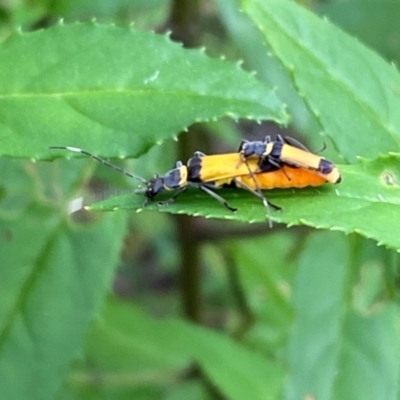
<point x="352" y="91"/>
<point x="367" y="202"/>
<point x="115" y="91"/>
<point x="372" y="21"/>
<point x="337" y="350"/>
<point x="236" y="371"/>
<point x="55" y="276"/>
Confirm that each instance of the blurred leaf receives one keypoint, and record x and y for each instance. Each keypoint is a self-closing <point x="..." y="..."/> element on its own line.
<point x="115" y="91"/>
<point x="143" y="13"/>
<point x="334" y="352"/>
<point x="375" y="22"/>
<point x="266" y="268"/>
<point x="235" y="370"/>
<point x="366" y="202"/>
<point x="103" y="7"/>
<point x="113" y="393"/>
<point x="124" y="340"/>
<point x="193" y="390"/>
<point x="350" y="89"/>
<point x="374" y="375"/>
<point x="238" y="372"/>
<point x="55" y="275"/>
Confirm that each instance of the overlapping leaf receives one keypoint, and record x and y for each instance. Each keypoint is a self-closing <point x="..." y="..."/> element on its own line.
<point x="373" y="22"/>
<point x="367" y="202"/>
<point x="115" y="91"/>
<point x="351" y="90"/>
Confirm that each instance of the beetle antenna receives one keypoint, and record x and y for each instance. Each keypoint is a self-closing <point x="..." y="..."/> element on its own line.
<point x="101" y="160"/>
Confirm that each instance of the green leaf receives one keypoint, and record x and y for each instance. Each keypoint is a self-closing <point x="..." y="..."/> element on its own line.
<point x="335" y="351"/>
<point x="313" y="345"/>
<point x="366" y="202"/>
<point x="249" y="41"/>
<point x="125" y="339"/>
<point x="55" y="276"/>
<point x="266" y="285"/>
<point x="238" y="372"/>
<point x="235" y="370"/>
<point x="115" y="91"/>
<point x="351" y="90"/>
<point x="374" y="22"/>
<point x="191" y="389"/>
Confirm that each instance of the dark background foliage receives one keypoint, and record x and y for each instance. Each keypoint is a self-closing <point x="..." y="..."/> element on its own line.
<point x="149" y="305"/>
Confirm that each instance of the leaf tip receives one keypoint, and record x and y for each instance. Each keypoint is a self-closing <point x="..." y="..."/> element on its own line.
<point x="303" y="221"/>
<point x="358" y="231"/>
<point x="75" y="205"/>
<point x="394" y="65"/>
<point x="317" y="113"/>
<point x="239" y="64"/>
<point x="286" y="116"/>
<point x="381" y="198"/>
<point x="232" y="115"/>
<point x="18" y="30"/>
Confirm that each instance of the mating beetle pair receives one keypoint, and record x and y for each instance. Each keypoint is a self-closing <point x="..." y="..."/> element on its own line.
<point x="257" y="166"/>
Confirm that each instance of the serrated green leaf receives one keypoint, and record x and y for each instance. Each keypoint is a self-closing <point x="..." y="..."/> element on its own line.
<point x="249" y="40"/>
<point x="115" y="91"/>
<point x="335" y="352"/>
<point x="367" y="202"/>
<point x="351" y="90"/>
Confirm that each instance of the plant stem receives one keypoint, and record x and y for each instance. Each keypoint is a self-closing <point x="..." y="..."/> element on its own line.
<point x="184" y="24"/>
